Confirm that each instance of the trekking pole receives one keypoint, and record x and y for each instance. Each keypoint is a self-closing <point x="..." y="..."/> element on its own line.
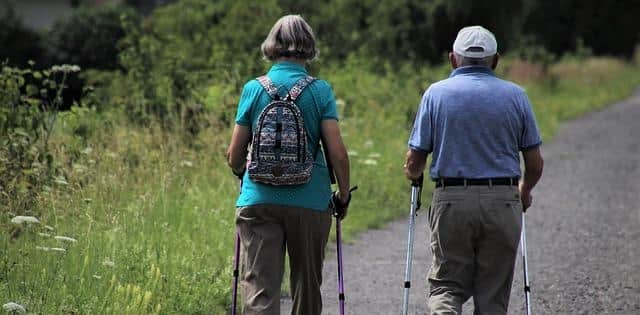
<point x="416" y="191"/>
<point x="525" y="267"/>
<point x="340" y="274"/>
<point x="236" y="263"/>
<point x="341" y="297"/>
<point x="236" y="271"/>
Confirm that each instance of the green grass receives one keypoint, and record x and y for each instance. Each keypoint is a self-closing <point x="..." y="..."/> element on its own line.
<point x="150" y="239"/>
<point x="580" y="86"/>
<point x="153" y="218"/>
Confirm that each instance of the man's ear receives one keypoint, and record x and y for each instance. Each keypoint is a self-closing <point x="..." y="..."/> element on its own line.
<point x="495" y="61"/>
<point x="452" y="59"/>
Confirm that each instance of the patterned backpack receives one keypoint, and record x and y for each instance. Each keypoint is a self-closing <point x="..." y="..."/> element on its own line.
<point x="279" y="151"/>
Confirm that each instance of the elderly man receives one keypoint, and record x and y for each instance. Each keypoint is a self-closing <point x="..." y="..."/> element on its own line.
<point x="475" y="125"/>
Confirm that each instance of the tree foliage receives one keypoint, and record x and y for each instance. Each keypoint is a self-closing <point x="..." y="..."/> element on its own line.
<point x="18" y="44"/>
<point x="225" y="34"/>
<point x="89" y="37"/>
<point x="607" y="27"/>
<point x="194" y="55"/>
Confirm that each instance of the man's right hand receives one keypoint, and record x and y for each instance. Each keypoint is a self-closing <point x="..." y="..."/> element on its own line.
<point x="414" y="164"/>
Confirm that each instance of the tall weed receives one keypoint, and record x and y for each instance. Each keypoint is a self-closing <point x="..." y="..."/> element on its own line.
<point x="29" y="102"/>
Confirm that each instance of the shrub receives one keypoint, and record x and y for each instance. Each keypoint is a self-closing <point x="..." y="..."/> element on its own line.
<point x="89" y="37"/>
<point x="183" y="49"/>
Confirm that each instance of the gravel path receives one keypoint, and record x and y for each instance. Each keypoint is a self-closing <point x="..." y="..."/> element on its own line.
<point x="583" y="232"/>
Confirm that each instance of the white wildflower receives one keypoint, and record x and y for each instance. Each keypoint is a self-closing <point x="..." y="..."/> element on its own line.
<point x="79" y="167"/>
<point x="25" y="219"/>
<point x="87" y="200"/>
<point x="65" y="239"/>
<point x="13" y="307"/>
<point x="370" y="162"/>
<point x="51" y="249"/>
<point x="87" y="151"/>
<point x="44" y="234"/>
<point x="48" y="227"/>
<point x="97" y="277"/>
<point x="186" y="163"/>
<point x="61" y="181"/>
<point x="375" y="155"/>
<point x="352" y="153"/>
<point x="65" y="68"/>
<point x="108" y="263"/>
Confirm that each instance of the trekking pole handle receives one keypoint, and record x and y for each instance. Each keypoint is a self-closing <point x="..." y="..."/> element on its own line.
<point x="418" y="181"/>
<point x="337" y="205"/>
<point x="418" y="184"/>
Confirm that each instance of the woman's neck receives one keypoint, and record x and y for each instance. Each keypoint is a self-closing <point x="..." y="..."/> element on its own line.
<point x="299" y="61"/>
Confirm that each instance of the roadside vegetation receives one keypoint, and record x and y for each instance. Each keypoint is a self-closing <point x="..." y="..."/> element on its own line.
<point x="132" y="196"/>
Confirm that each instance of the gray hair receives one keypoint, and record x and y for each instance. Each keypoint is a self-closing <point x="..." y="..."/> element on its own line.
<point x="290" y="37"/>
<point x="467" y="61"/>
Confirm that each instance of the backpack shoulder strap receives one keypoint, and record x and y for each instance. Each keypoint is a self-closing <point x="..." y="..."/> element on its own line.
<point x="268" y="86"/>
<point x="297" y="89"/>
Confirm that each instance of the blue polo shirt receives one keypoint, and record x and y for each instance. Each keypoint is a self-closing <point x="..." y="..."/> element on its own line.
<point x="475" y="125"/>
<point x="317" y="102"/>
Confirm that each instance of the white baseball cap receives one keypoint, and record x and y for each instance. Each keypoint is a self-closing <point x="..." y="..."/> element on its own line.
<point x="475" y="42"/>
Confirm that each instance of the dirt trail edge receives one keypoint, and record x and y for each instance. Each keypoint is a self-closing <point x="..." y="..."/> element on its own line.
<point x="583" y="232"/>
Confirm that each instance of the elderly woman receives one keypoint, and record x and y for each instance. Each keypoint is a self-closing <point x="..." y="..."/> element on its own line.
<point x="271" y="217"/>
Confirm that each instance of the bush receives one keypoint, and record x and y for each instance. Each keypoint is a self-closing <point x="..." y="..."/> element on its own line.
<point x="89" y="37"/>
<point x="181" y="50"/>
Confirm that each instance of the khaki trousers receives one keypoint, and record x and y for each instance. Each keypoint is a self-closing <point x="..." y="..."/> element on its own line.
<point x="475" y="232"/>
<point x="265" y="230"/>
